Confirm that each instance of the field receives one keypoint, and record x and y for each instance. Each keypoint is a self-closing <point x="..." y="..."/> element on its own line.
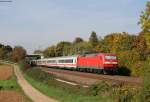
<point x="6" y="72"/>
<point x="11" y="96"/>
<point x="10" y="91"/>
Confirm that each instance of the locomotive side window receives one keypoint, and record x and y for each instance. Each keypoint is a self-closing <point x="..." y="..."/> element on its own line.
<point x="110" y="57"/>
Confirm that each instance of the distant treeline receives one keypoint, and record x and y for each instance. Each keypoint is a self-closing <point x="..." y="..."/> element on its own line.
<point x="131" y="49"/>
<point x="13" y="54"/>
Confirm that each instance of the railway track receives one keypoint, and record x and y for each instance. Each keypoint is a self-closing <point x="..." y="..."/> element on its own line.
<point x="91" y="78"/>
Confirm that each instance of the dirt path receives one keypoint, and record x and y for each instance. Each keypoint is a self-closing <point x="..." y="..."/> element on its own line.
<point x="31" y="92"/>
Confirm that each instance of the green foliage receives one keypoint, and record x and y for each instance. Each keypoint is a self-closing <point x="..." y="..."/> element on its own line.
<point x="145" y="18"/>
<point x="50" y="51"/>
<point x="78" y="40"/>
<point x="5" y="51"/>
<point x="81" y="47"/>
<point x="145" y="91"/>
<point x="23" y="65"/>
<point x="39" y="75"/>
<point x="93" y="39"/>
<point x="67" y="50"/>
<point x="60" y="47"/>
<point x="101" y="88"/>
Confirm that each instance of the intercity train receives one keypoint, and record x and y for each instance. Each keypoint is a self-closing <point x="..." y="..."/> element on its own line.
<point x="96" y="62"/>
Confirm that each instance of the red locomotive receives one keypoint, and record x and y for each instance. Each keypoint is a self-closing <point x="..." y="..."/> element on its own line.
<point x="99" y="62"/>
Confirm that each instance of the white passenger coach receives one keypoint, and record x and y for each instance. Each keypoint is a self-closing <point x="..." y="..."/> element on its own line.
<point x="67" y="61"/>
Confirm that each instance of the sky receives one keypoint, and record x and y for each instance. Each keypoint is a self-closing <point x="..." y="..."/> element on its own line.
<point x="37" y="24"/>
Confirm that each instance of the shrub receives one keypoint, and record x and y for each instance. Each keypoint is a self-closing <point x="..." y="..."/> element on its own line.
<point x="39" y="75"/>
<point x="125" y="94"/>
<point x="124" y="71"/>
<point x="130" y="63"/>
<point x="23" y="65"/>
<point x="101" y="88"/>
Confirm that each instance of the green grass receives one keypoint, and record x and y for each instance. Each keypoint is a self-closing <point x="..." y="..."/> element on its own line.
<point x="64" y="94"/>
<point x="9" y="84"/>
<point x="12" y="84"/>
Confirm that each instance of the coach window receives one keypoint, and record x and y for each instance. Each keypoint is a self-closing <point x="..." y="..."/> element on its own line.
<point x="51" y="61"/>
<point x="61" y="61"/>
<point x="69" y="61"/>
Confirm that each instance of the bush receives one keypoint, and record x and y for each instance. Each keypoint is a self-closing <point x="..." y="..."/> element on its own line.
<point x="125" y="94"/>
<point x="23" y="65"/>
<point x="101" y="88"/>
<point x="124" y="71"/>
<point x="130" y="63"/>
<point x="39" y="75"/>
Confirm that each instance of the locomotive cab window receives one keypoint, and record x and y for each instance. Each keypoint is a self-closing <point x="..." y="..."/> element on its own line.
<point x="110" y="57"/>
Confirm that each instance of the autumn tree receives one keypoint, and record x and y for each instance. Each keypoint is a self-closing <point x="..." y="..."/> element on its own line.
<point x="18" y="53"/>
<point x="145" y="23"/>
<point x="117" y="42"/>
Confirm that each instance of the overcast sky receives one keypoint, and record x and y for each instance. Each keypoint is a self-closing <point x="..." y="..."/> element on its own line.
<point x="36" y="24"/>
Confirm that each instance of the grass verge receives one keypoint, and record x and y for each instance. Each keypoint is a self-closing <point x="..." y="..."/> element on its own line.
<point x="62" y="95"/>
<point x="63" y="92"/>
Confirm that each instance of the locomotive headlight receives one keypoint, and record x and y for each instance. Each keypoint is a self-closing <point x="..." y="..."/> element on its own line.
<point x="107" y="62"/>
<point x="114" y="63"/>
<point x="110" y="63"/>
